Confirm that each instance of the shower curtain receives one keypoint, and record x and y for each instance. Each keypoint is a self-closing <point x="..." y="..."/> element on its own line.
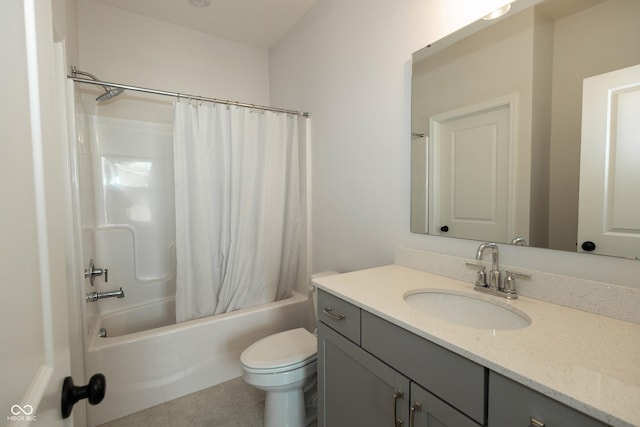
<point x="237" y="195"/>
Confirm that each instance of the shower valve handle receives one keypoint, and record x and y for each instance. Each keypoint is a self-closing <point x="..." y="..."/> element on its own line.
<point x="93" y="271"/>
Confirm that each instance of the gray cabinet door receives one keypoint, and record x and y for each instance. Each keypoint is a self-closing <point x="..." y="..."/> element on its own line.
<point x="429" y="411"/>
<point x="355" y="388"/>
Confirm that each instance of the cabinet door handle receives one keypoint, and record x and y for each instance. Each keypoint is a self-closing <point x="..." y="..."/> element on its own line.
<point x="416" y="407"/>
<point x="536" y="423"/>
<point x="329" y="312"/>
<point x="397" y="395"/>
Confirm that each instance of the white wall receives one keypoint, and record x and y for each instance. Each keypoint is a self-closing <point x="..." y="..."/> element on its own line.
<point x="122" y="47"/>
<point x="348" y="64"/>
<point x="65" y="26"/>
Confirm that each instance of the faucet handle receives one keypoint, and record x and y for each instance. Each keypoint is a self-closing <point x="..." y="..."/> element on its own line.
<point x="475" y="265"/>
<point x="514" y="275"/>
<point x="481" y="276"/>
<point x="94" y="271"/>
<point x="510" y="283"/>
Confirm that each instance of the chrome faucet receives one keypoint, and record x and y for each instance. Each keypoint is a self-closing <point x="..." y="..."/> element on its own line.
<point x="495" y="286"/>
<point x="494" y="274"/>
<point x="95" y="296"/>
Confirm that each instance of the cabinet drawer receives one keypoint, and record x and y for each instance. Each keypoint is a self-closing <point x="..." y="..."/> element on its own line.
<point x="339" y="315"/>
<point x="511" y="405"/>
<point x="451" y="377"/>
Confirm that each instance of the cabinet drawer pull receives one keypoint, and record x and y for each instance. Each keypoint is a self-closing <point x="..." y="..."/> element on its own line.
<point x="328" y="311"/>
<point x="416" y="407"/>
<point x="397" y="395"/>
<point x="536" y="423"/>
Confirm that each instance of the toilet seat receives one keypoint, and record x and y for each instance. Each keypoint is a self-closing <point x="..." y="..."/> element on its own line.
<point x="280" y="352"/>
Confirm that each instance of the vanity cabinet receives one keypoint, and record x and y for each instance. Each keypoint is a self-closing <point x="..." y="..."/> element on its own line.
<point x="393" y="373"/>
<point x="370" y="371"/>
<point x="358" y="389"/>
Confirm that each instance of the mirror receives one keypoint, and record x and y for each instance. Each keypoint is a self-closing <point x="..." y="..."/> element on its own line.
<point x="497" y="128"/>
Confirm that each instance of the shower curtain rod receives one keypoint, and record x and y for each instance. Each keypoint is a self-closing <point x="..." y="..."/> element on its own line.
<point x="185" y="96"/>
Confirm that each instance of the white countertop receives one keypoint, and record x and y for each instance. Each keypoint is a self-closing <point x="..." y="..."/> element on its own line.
<point x="587" y="361"/>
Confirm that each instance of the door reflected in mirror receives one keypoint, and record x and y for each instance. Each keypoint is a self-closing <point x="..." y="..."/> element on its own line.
<point x="497" y="129"/>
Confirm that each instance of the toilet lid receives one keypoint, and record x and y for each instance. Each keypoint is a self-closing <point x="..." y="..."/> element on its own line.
<point x="281" y="349"/>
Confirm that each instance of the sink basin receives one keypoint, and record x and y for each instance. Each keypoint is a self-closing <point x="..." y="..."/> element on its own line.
<point x="464" y="309"/>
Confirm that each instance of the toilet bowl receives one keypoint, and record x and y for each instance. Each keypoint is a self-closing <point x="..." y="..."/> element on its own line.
<point x="282" y="365"/>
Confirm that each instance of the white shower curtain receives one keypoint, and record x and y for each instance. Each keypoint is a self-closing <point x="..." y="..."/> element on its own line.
<point x="237" y="193"/>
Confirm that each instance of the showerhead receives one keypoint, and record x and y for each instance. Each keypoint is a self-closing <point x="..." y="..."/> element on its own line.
<point x="110" y="92"/>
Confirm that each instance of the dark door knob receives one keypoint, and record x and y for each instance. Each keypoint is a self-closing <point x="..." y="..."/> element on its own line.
<point x="588" y="246"/>
<point x="94" y="391"/>
<point x="444" y="228"/>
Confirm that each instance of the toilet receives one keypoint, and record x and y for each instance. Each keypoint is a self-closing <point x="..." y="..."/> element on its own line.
<point x="284" y="365"/>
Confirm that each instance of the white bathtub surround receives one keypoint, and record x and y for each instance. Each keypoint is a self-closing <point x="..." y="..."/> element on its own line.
<point x="238" y="212"/>
<point x="127" y="208"/>
<point x="131" y="320"/>
<point x="584" y="360"/>
<point x="619" y="302"/>
<point x="148" y="367"/>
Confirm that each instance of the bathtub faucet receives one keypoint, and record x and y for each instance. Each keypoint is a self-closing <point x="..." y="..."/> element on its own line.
<point x="95" y="296"/>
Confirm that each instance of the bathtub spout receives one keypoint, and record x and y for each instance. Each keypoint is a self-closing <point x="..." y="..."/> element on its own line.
<point x="95" y="296"/>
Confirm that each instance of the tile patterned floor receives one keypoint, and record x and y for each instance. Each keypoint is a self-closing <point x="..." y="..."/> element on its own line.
<point x="230" y="404"/>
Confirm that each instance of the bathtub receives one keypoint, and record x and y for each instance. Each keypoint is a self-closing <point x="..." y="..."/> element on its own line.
<point x="148" y="359"/>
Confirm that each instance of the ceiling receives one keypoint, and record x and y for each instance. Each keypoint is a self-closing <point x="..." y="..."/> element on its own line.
<point x="258" y="23"/>
<point x="559" y="9"/>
